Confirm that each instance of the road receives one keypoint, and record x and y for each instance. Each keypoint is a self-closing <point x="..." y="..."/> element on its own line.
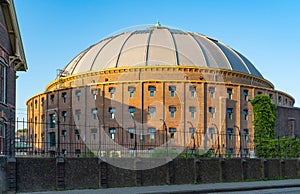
<point x="293" y="190"/>
<point x="275" y="186"/>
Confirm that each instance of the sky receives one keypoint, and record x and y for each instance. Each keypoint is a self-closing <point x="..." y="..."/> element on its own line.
<point x="53" y="32"/>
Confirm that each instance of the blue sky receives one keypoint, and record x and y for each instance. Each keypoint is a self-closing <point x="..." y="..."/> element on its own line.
<point x="267" y="32"/>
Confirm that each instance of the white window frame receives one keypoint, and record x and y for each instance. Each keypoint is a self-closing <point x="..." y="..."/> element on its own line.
<point x="3" y="98"/>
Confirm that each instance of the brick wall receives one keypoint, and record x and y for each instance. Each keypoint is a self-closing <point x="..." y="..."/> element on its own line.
<point x="40" y="174"/>
<point x="288" y="121"/>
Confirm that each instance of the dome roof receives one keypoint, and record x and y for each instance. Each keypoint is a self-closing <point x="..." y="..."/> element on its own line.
<point x="156" y="46"/>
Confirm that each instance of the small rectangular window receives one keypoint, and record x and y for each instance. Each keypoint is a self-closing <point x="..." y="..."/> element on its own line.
<point x="64" y="115"/>
<point x="151" y="89"/>
<point x="95" y="92"/>
<point x="64" y="133"/>
<point x="131" y="132"/>
<point x="52" y="98"/>
<point x="94" y="112"/>
<point x="172" y="90"/>
<point x="245" y="113"/>
<point x="151" y="110"/>
<point x="229" y="133"/>
<point x="230" y="112"/>
<point x="77" y="113"/>
<point x="52" y="140"/>
<point x="78" y="94"/>
<point x="77" y="135"/>
<point x="229" y="92"/>
<point x="112" y="91"/>
<point x="131" y="91"/>
<point x="172" y="111"/>
<point x="2" y="83"/>
<point x="211" y="92"/>
<point x="212" y="133"/>
<point x="246" y="94"/>
<point x="64" y="97"/>
<point x="112" y="112"/>
<point x="152" y="132"/>
<point x="192" y="111"/>
<point x="172" y="132"/>
<point x="279" y="99"/>
<point x="193" y="91"/>
<point x="246" y="134"/>
<point x="212" y="112"/>
<point x="52" y="120"/>
<point x="131" y="110"/>
<point x="112" y="132"/>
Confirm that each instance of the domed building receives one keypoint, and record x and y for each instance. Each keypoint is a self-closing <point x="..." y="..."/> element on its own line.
<point x="151" y="89"/>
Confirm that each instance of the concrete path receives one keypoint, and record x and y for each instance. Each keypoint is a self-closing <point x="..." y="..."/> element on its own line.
<point x="196" y="188"/>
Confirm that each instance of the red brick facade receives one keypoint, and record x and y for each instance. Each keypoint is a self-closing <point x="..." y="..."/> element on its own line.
<point x="210" y="102"/>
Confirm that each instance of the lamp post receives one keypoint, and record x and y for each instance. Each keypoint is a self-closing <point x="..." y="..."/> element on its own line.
<point x="166" y="130"/>
<point x="240" y="134"/>
<point x="58" y="133"/>
<point x="135" y="137"/>
<point x="193" y="137"/>
<point x="218" y="139"/>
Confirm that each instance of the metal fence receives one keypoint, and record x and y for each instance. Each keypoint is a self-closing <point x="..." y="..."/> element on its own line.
<point x="102" y="141"/>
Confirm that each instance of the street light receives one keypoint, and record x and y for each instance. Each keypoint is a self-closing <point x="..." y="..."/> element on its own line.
<point x="218" y="139"/>
<point x="240" y="134"/>
<point x="166" y="130"/>
<point x="193" y="137"/>
<point x="58" y="132"/>
<point x="135" y="140"/>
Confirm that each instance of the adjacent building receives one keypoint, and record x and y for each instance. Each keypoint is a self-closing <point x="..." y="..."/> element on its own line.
<point x="151" y="89"/>
<point x="12" y="59"/>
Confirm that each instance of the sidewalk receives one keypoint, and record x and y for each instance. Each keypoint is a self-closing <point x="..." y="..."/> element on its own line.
<point x="196" y="188"/>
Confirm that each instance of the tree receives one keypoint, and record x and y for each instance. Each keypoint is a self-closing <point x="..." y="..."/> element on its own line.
<point x="264" y="121"/>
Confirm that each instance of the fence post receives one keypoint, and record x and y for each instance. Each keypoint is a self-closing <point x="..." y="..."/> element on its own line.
<point x="60" y="173"/>
<point x="11" y="175"/>
<point x="279" y="151"/>
<point x="103" y="174"/>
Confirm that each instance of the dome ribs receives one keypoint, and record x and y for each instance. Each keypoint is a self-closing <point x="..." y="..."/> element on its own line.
<point x="99" y="52"/>
<point x="120" y="52"/>
<point x="175" y="47"/>
<point x="147" y="48"/>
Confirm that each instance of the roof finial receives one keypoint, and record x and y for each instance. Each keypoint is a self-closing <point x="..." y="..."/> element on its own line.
<point x="157" y="24"/>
